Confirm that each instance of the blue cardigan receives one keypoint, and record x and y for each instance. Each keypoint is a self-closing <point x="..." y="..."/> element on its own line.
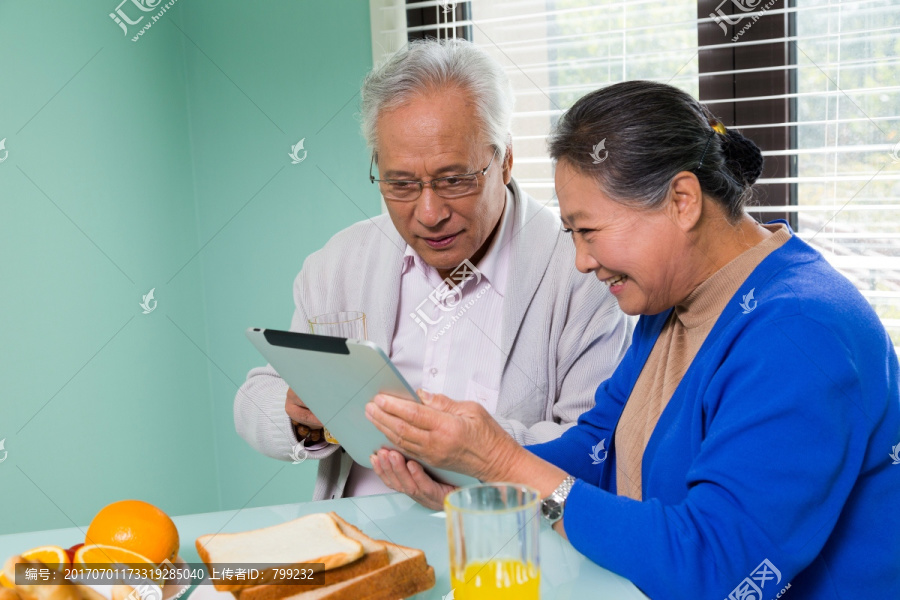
<point x="770" y="466"/>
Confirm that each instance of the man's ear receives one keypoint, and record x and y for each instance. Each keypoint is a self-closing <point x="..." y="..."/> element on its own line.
<point x="507" y="164"/>
<point x="686" y="203"/>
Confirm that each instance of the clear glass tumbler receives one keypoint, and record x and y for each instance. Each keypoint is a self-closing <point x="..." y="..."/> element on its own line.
<point x="493" y="531"/>
<point x="346" y="324"/>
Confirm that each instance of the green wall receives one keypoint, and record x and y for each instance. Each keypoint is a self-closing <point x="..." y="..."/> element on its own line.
<point x="162" y="164"/>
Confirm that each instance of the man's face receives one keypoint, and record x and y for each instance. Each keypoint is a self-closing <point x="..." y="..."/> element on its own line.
<point x="436" y="135"/>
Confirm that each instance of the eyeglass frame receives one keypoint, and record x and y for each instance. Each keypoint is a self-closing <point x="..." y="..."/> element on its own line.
<point x="422" y="182"/>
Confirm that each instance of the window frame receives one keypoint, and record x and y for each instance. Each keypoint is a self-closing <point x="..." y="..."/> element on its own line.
<point x="719" y="59"/>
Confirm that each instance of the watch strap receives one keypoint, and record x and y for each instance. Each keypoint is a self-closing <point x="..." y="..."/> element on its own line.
<point x="563" y="489"/>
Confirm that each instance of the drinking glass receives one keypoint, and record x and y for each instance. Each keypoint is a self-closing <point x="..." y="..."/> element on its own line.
<point x="345" y="324"/>
<point x="493" y="533"/>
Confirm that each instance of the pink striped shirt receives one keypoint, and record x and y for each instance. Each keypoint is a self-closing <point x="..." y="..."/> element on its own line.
<point x="448" y="333"/>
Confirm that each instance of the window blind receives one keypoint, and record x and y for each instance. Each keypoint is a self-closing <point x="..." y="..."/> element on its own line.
<point x="555" y="51"/>
<point x="815" y="82"/>
<point x="838" y="164"/>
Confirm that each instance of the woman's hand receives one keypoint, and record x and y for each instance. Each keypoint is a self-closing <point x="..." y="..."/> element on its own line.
<point x="408" y="477"/>
<point x="460" y="436"/>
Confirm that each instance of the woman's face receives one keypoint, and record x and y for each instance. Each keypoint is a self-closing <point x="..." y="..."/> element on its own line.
<point x="642" y="255"/>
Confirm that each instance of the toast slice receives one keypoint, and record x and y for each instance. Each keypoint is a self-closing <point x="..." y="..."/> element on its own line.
<point x="314" y="538"/>
<point x="375" y="557"/>
<point x="407" y="574"/>
<point x="62" y="589"/>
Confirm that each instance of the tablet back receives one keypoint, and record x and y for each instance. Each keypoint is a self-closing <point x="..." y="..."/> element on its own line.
<point x="336" y="378"/>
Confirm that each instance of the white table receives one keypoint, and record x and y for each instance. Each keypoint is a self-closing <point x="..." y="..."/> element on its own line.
<point x="565" y="574"/>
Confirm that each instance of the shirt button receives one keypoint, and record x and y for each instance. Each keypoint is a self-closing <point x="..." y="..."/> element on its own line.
<point x="433" y="371"/>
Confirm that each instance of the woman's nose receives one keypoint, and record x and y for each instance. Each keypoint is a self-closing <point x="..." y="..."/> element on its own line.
<point x="584" y="262"/>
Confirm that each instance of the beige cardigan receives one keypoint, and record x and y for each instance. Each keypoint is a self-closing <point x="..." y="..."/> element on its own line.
<point x="562" y="332"/>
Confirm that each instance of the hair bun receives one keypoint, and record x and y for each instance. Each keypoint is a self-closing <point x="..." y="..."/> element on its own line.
<point x="743" y="157"/>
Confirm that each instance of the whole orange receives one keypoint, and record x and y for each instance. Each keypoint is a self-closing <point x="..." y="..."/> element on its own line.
<point x="137" y="526"/>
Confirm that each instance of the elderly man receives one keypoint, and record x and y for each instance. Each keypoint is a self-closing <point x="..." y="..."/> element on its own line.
<point x="468" y="283"/>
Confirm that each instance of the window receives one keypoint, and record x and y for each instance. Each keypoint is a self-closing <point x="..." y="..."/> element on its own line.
<point x="816" y="83"/>
<point x="555" y="51"/>
<point x="848" y="143"/>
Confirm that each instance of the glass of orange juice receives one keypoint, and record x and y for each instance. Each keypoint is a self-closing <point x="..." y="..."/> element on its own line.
<point x="493" y="532"/>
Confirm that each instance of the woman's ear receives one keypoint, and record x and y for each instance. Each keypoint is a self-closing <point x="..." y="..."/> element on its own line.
<point x="686" y="206"/>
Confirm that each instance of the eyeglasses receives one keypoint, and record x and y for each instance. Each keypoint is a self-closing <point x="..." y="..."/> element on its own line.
<point x="452" y="186"/>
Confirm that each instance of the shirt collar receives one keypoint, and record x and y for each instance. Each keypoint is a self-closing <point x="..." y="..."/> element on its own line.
<point x="494" y="265"/>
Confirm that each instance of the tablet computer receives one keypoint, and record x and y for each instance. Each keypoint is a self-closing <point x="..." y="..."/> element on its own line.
<point x="336" y="377"/>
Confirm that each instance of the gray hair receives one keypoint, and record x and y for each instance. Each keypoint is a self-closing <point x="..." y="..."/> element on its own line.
<point x="650" y="132"/>
<point x="427" y="65"/>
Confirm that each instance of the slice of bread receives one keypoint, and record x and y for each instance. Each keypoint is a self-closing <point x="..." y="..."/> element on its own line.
<point x="407" y="574"/>
<point x="311" y="539"/>
<point x="375" y="557"/>
<point x="62" y="590"/>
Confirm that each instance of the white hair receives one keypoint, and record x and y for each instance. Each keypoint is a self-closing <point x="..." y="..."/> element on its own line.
<point x="426" y="65"/>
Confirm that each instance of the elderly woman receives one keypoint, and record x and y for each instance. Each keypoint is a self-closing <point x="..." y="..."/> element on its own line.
<point x="742" y="448"/>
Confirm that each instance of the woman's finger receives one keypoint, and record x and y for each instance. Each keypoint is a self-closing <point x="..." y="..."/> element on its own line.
<point x="416" y="414"/>
<point x="400" y="433"/>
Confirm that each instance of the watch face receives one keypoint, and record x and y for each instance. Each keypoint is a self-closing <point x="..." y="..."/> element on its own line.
<point x="551" y="509"/>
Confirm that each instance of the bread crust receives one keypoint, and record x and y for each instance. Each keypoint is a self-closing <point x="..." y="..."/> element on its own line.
<point x="384" y="571"/>
<point x="330" y="561"/>
<point x="407" y="575"/>
<point x="375" y="558"/>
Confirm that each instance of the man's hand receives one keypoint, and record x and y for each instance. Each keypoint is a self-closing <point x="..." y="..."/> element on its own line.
<point x="408" y="477"/>
<point x="298" y="412"/>
<point x="306" y="425"/>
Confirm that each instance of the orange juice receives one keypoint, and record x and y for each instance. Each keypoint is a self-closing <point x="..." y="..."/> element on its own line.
<point x="499" y="579"/>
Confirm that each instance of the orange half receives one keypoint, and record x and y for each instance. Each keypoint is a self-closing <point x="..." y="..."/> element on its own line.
<point x="52" y="556"/>
<point x="98" y="556"/>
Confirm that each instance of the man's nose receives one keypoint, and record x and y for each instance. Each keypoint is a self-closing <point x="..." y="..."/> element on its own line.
<point x="431" y="209"/>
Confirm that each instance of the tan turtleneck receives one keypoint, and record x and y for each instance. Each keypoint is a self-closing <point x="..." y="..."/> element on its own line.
<point x="675" y="349"/>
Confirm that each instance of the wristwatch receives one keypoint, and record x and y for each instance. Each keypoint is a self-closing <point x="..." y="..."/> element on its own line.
<point x="553" y="505"/>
